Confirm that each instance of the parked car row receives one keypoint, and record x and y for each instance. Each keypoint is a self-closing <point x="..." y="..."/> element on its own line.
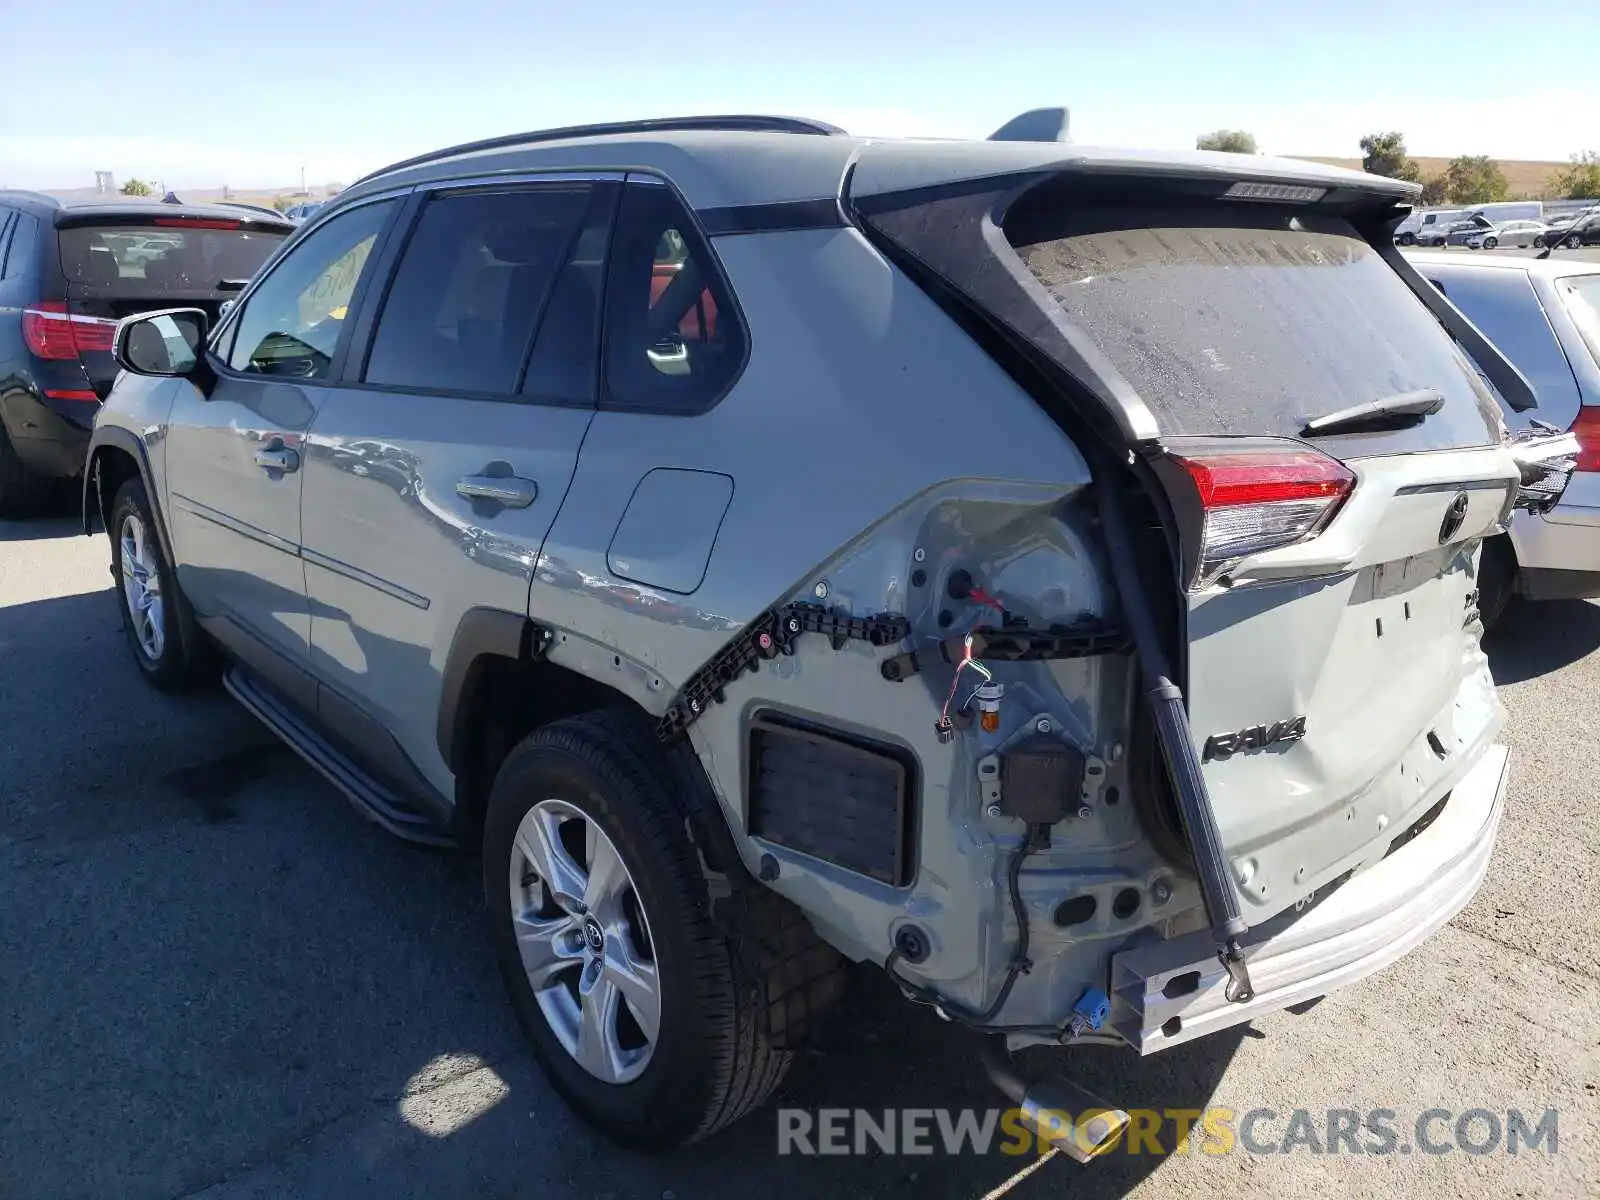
<point x="1545" y="316"/>
<point x="1118" y="684"/>
<point x="1481" y="231"/>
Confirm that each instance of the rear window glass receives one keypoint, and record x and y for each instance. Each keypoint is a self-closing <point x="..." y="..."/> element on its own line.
<point x="153" y="260"/>
<point x="1251" y="320"/>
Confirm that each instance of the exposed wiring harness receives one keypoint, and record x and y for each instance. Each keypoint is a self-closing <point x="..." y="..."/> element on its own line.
<point x="944" y="727"/>
<point x="1038" y="838"/>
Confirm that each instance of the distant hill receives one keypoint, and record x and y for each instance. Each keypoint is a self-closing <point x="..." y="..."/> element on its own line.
<point x="1528" y="179"/>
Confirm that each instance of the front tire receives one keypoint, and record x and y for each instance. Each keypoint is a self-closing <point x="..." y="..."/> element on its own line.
<point x="1490" y="243"/>
<point x="628" y="991"/>
<point x="161" y="631"/>
<point x="1575" y="242"/>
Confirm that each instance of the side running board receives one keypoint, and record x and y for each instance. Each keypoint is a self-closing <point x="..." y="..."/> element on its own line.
<point x="372" y="799"/>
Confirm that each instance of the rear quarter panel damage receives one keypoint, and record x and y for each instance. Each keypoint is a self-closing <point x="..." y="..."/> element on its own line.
<point x="866" y="427"/>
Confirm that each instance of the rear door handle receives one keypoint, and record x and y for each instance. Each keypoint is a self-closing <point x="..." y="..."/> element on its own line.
<point x="278" y="457"/>
<point x="509" y="490"/>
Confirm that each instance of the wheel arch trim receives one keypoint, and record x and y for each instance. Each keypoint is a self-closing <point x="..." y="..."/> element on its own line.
<point x="481" y="633"/>
<point x="116" y="438"/>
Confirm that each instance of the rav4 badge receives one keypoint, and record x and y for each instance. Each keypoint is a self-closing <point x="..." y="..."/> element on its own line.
<point x="1255" y="737"/>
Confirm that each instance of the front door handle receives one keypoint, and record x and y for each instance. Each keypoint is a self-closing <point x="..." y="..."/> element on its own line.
<point x="508" y="490"/>
<point x="278" y="457"/>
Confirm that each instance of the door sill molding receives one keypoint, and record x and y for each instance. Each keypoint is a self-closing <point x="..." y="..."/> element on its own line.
<point x="374" y="801"/>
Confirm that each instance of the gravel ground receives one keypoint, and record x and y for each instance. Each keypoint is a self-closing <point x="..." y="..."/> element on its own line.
<point x="217" y="980"/>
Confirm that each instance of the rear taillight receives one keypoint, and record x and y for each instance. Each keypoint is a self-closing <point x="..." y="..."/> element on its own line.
<point x="1587" y="430"/>
<point x="50" y="331"/>
<point x="1257" y="498"/>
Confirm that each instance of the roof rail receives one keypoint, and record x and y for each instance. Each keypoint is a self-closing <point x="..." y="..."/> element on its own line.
<point x="27" y="194"/>
<point x="725" y="124"/>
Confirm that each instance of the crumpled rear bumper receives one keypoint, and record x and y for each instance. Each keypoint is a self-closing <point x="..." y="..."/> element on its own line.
<point x="1376" y="916"/>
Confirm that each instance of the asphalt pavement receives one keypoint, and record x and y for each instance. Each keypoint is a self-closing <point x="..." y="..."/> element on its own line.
<point x="217" y="980"/>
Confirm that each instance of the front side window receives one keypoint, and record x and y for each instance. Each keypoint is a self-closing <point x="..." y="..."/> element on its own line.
<point x="673" y="338"/>
<point x="471" y="286"/>
<point x="292" y="322"/>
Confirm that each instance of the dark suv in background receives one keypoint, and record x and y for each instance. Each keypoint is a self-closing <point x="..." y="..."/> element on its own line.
<point x="68" y="273"/>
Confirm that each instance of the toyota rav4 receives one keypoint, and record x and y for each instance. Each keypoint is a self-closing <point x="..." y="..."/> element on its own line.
<point x="1045" y="574"/>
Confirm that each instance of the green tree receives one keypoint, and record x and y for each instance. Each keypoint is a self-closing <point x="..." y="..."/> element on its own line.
<point x="1235" y="141"/>
<point x="1580" y="181"/>
<point x="1475" y="179"/>
<point x="1385" y="154"/>
<point x="1434" y="192"/>
<point x="137" y="187"/>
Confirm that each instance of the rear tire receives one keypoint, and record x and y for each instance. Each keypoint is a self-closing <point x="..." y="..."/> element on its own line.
<point x="1575" y="242"/>
<point x="1497" y="579"/>
<point x="1408" y="239"/>
<point x="166" y="642"/>
<point x="568" y="795"/>
<point x="1538" y="243"/>
<point x="17" y="486"/>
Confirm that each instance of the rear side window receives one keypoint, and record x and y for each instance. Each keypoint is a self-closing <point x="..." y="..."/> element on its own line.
<point x="1581" y="295"/>
<point x="1503" y="304"/>
<point x="1235" y="319"/>
<point x="18" y="247"/>
<point x="471" y="286"/>
<point x="674" y="341"/>
<point x="154" y="260"/>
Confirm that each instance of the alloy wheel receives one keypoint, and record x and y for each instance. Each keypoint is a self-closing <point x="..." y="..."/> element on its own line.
<point x="141" y="586"/>
<point x="584" y="940"/>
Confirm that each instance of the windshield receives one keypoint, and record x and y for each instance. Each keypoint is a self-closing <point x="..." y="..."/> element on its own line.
<point x="139" y="260"/>
<point x="1235" y="320"/>
<point x="1581" y="295"/>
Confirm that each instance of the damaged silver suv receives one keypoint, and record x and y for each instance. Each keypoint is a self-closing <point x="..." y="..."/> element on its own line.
<point x="1045" y="574"/>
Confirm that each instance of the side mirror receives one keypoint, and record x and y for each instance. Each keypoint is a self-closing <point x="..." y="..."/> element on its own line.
<point x="164" y="343"/>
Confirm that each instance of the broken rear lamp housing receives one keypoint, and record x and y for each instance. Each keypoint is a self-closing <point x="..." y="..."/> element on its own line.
<point x="1237" y="497"/>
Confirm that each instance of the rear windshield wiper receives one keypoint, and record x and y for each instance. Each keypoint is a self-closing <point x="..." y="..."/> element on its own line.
<point x="1400" y="411"/>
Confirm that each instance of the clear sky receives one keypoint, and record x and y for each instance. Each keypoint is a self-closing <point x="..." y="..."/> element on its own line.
<point x="248" y="92"/>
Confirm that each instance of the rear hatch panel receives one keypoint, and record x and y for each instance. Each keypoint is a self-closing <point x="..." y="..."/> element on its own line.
<point x="1342" y="669"/>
